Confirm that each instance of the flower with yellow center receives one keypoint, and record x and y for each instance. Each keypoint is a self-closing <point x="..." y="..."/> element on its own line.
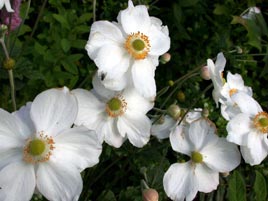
<point x="34" y="141"/>
<point x="249" y="129"/>
<point x="234" y="85"/>
<point x="209" y="155"/>
<point x="130" y="46"/>
<point x="115" y="116"/>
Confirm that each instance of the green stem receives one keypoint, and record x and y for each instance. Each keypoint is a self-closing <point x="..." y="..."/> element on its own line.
<point x="94" y="10"/>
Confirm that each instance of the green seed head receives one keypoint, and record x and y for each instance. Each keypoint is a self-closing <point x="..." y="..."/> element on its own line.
<point x="114" y="104"/>
<point x="263" y="122"/>
<point x="197" y="157"/>
<point x="36" y="147"/>
<point x="138" y="45"/>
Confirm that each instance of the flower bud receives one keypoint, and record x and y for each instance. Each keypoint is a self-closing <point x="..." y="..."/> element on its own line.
<point x="205" y="73"/>
<point x="181" y="96"/>
<point x="170" y="83"/>
<point x="225" y="174"/>
<point x="205" y="112"/>
<point x="174" y="111"/>
<point x="3" y="30"/>
<point x="150" y="195"/>
<point x="165" y="58"/>
<point x="9" y="64"/>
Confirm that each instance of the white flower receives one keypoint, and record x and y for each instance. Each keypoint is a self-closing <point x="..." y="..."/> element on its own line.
<point x="215" y="71"/>
<point x="162" y="128"/>
<point x="114" y="115"/>
<point x="209" y="155"/>
<point x="39" y="149"/>
<point x="251" y="12"/>
<point x="133" y="44"/>
<point x="249" y="129"/>
<point x="7" y="4"/>
<point x="234" y="84"/>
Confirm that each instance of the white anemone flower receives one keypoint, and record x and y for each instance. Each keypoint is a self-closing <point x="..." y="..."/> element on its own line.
<point x="209" y="155"/>
<point x="215" y="71"/>
<point x="234" y="84"/>
<point x="114" y="115"/>
<point x="7" y="4"/>
<point x="41" y="152"/>
<point x="133" y="44"/>
<point x="249" y="129"/>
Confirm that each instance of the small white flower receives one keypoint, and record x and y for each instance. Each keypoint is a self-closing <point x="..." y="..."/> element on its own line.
<point x="215" y="72"/>
<point x="7" y="4"/>
<point x="251" y="12"/>
<point x="133" y="44"/>
<point x="249" y="129"/>
<point x="234" y="84"/>
<point x="209" y="155"/>
<point x="39" y="149"/>
<point x="115" y="116"/>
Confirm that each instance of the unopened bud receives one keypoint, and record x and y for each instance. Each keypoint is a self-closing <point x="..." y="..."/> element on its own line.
<point x="150" y="195"/>
<point x="9" y="64"/>
<point x="181" y="96"/>
<point x="205" y="112"/>
<point x="170" y="83"/>
<point x="174" y="111"/>
<point x="225" y="174"/>
<point x="239" y="50"/>
<point x="205" y="73"/>
<point x="3" y="30"/>
<point x="165" y="58"/>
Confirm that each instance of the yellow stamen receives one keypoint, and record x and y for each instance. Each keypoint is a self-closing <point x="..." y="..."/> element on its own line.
<point x="261" y="122"/>
<point x="116" y="106"/>
<point x="232" y="91"/>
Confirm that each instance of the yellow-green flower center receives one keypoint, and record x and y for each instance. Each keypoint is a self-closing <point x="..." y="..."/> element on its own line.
<point x="138" y="44"/>
<point x="261" y="122"/>
<point x="114" y="104"/>
<point x="36" y="147"/>
<point x="197" y="157"/>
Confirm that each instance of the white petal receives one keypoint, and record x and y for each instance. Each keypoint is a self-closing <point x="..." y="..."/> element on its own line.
<point x="17" y="182"/>
<point x="251" y="157"/>
<point x="79" y="146"/>
<point x="12" y="133"/>
<point x="180" y="183"/>
<point x="201" y="133"/>
<point x="180" y="142"/>
<point x="162" y="131"/>
<point x="143" y="78"/>
<point x="7" y="5"/>
<point x="135" y="102"/>
<point x="58" y="181"/>
<point x="246" y="103"/>
<point x="8" y="156"/>
<point x="235" y="81"/>
<point x="207" y="179"/>
<point x="238" y="129"/>
<point x="221" y="157"/>
<point x="23" y="116"/>
<point x="220" y="62"/>
<point x="159" y="41"/>
<point x="54" y="110"/>
<point x="136" y="127"/>
<point x="103" y="33"/>
<point x="116" y="84"/>
<point x="90" y="109"/>
<point x="109" y="131"/>
<point x="112" y="61"/>
<point x="134" y="19"/>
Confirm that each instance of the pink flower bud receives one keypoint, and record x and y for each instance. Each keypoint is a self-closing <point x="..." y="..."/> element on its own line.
<point x="150" y="195"/>
<point x="165" y="58"/>
<point x="205" y="73"/>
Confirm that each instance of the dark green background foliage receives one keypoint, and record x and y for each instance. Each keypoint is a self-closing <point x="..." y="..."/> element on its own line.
<point x="49" y="52"/>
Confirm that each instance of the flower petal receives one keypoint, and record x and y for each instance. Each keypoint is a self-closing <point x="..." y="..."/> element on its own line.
<point x="159" y="41"/>
<point x="136" y="127"/>
<point x="180" y="142"/>
<point x="246" y="103"/>
<point x="134" y="19"/>
<point x="103" y="33"/>
<point x="17" y="181"/>
<point x="180" y="183"/>
<point x="163" y="130"/>
<point x="58" y="181"/>
<point x="79" y="146"/>
<point x="207" y="179"/>
<point x="238" y="129"/>
<point x="54" y="110"/>
<point x="112" y="61"/>
<point x="143" y="78"/>
<point x="223" y="156"/>
<point x="8" y="156"/>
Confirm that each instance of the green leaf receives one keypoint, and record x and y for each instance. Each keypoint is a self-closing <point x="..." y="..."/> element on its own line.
<point x="106" y="196"/>
<point x="260" y="187"/>
<point x="236" y="187"/>
<point x="63" y="21"/>
<point x="220" y="10"/>
<point x="65" y="45"/>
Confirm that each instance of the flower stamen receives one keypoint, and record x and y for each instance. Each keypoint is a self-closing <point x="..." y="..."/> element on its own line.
<point x="116" y="106"/>
<point x="261" y="122"/>
<point x="197" y="157"/>
<point x="232" y="91"/>
<point x="137" y="45"/>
